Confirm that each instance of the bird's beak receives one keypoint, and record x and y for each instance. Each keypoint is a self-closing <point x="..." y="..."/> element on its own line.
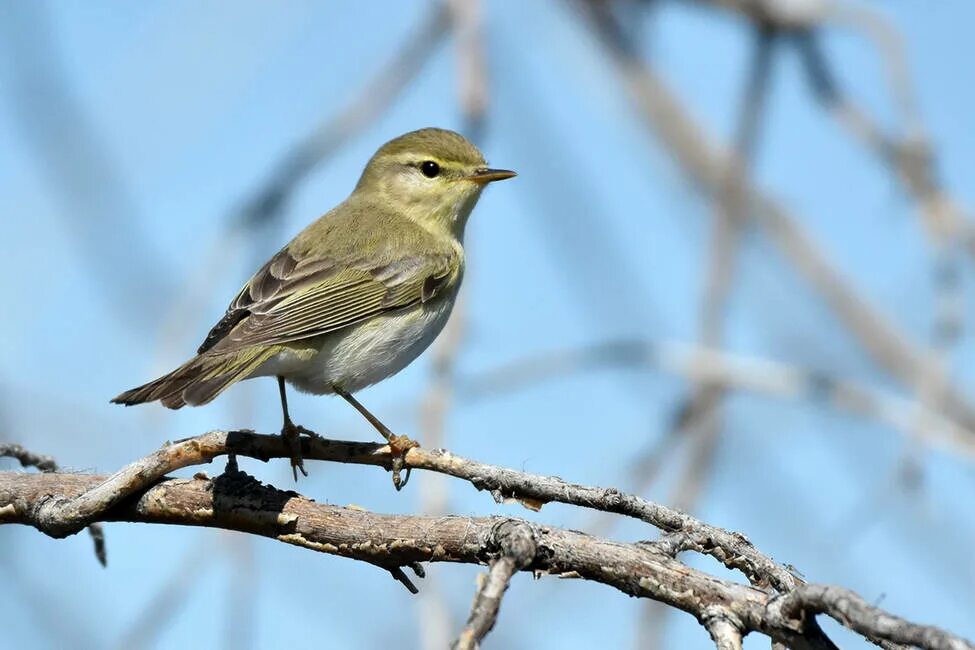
<point x="483" y="175"/>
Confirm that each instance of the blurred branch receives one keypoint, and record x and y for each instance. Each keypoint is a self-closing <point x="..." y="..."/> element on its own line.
<point x="27" y="458"/>
<point x="472" y="91"/>
<point x="94" y="202"/>
<point x="376" y="96"/>
<point x="148" y="626"/>
<point x="731" y="372"/>
<point x="472" y="84"/>
<point x="708" y="167"/>
<point x="701" y="412"/>
<point x="910" y="160"/>
<point x="781" y="14"/>
<point x="911" y="163"/>
<point x="875" y="26"/>
<point x="58" y="504"/>
<point x="241" y="621"/>
<point x="701" y="415"/>
<point x="436" y="625"/>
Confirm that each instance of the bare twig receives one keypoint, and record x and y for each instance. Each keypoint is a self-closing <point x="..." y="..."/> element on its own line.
<point x="853" y="612"/>
<point x="724" y="632"/>
<point x="518" y="549"/>
<point x="27" y="458"/>
<point x="64" y="516"/>
<point x="646" y="569"/>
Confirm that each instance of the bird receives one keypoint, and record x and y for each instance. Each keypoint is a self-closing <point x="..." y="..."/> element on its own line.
<point x="356" y="296"/>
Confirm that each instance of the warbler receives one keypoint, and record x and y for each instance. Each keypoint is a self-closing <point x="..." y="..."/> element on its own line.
<point x="356" y="296"/>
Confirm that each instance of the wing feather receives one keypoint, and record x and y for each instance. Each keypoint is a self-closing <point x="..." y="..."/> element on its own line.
<point x="291" y="299"/>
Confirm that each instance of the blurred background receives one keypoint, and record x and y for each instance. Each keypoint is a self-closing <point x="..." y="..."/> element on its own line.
<point x="734" y="275"/>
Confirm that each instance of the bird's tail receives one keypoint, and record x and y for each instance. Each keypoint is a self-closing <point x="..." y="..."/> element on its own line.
<point x="199" y="380"/>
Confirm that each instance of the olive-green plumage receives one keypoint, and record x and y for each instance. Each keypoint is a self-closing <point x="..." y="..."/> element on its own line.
<point x="359" y="293"/>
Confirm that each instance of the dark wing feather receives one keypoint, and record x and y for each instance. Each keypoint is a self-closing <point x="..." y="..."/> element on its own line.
<point x="290" y="299"/>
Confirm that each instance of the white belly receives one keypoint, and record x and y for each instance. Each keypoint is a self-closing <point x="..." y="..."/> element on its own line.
<point x="364" y="354"/>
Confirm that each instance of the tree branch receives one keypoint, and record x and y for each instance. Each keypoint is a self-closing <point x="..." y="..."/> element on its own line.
<point x="27" y="458"/>
<point x="62" y="516"/>
<point x="853" y="612"/>
<point x="60" y="504"/>
<point x="724" y="633"/>
<point x="518" y="548"/>
<point x="366" y="106"/>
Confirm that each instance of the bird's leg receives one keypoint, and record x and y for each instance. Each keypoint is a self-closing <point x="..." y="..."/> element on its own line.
<point x="292" y="434"/>
<point x="398" y="445"/>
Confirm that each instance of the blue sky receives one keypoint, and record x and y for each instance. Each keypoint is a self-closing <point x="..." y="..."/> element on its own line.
<point x="116" y="264"/>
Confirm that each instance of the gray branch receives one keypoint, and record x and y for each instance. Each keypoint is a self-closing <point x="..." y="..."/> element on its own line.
<point x="724" y="632"/>
<point x="518" y="547"/>
<point x="27" y="458"/>
<point x="61" y="504"/>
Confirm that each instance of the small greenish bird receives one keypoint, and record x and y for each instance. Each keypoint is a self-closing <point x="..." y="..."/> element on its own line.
<point x="356" y="296"/>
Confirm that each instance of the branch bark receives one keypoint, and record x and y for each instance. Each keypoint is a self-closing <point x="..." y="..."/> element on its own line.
<point x="27" y="458"/>
<point x="60" y="504"/>
<point x="518" y="547"/>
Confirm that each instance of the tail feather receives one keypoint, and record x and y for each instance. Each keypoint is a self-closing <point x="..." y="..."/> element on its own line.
<point x="198" y="381"/>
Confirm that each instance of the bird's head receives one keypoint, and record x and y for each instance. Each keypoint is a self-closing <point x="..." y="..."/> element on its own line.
<point x="431" y="176"/>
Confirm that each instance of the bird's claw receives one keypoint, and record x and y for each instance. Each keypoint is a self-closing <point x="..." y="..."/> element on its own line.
<point x="292" y="433"/>
<point x="398" y="447"/>
<point x="306" y="432"/>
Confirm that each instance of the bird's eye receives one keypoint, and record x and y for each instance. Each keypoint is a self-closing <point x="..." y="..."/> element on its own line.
<point x="429" y="168"/>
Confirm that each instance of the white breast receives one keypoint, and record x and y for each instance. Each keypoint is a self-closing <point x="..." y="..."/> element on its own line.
<point x="364" y="354"/>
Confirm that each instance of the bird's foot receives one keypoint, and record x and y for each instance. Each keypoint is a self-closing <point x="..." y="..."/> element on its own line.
<point x="292" y="433"/>
<point x="305" y="432"/>
<point x="398" y="447"/>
